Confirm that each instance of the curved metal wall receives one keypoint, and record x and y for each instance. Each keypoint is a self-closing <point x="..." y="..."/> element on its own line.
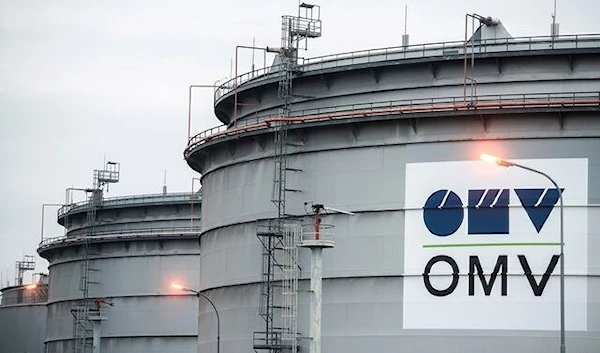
<point x="23" y="328"/>
<point x="141" y="248"/>
<point x="374" y="167"/>
<point x="23" y="319"/>
<point x="569" y="68"/>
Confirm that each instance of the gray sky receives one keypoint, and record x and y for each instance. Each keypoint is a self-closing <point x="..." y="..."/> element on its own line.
<point x="82" y="79"/>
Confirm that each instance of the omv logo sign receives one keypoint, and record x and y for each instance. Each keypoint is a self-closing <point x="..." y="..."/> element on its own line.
<point x="487" y="210"/>
<point x="482" y="245"/>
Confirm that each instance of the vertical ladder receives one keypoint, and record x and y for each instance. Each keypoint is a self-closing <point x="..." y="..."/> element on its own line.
<point x="82" y="327"/>
<point x="292" y="234"/>
<point x="279" y="291"/>
<point x="280" y="268"/>
<point x="271" y="237"/>
<point x="83" y="322"/>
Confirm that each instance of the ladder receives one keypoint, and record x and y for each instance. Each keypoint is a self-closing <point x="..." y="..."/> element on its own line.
<point x="82" y="327"/>
<point x="279" y="290"/>
<point x="83" y="322"/>
<point x="292" y="234"/>
<point x="280" y="237"/>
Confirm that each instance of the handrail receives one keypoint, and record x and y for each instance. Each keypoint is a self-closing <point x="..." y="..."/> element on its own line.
<point x="130" y="200"/>
<point x="402" y="107"/>
<point x="25" y="299"/>
<point x="427" y="50"/>
<point x="118" y="235"/>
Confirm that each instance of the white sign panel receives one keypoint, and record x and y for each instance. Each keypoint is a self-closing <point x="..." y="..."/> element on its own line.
<point x="482" y="245"/>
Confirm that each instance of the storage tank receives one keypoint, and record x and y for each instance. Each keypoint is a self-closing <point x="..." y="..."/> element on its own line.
<point x="444" y="252"/>
<point x="111" y="274"/>
<point x="23" y="317"/>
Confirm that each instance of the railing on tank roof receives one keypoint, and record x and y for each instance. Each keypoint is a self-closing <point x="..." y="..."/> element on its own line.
<point x="132" y="200"/>
<point x="25" y="299"/>
<point x="416" y="51"/>
<point x="119" y="235"/>
<point x="407" y="106"/>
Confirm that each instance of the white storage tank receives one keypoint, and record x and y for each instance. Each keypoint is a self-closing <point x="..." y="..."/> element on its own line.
<point x="445" y="253"/>
<point x="127" y="259"/>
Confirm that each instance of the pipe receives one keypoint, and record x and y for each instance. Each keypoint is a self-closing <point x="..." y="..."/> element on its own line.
<point x="316" y="286"/>
<point x="192" y="205"/>
<point x="190" y="108"/>
<point x="96" y="336"/>
<point x="465" y="62"/>
<point x="235" y="77"/>
<point x="43" y="207"/>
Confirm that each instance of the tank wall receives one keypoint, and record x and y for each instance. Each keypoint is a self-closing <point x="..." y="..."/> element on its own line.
<point x="147" y="315"/>
<point x="127" y="219"/>
<point x="352" y="154"/>
<point x="504" y="76"/>
<point x="22" y="328"/>
<point x="126" y="272"/>
<point x="129" y="344"/>
<point x="364" y="169"/>
<point x="22" y="295"/>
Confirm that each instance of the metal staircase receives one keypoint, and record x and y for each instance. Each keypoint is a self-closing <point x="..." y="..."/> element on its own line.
<point x="280" y="270"/>
<point x="85" y="315"/>
<point x="292" y="234"/>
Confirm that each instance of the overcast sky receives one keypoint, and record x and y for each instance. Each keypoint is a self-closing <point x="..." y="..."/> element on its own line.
<point x="82" y="80"/>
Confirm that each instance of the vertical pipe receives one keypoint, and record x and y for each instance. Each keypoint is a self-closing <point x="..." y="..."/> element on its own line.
<point x="405" y="16"/>
<point x="235" y="84"/>
<point x="96" y="336"/>
<point x="43" y="209"/>
<point x="465" y="62"/>
<point x="317" y="223"/>
<point x="42" y="231"/>
<point x="253" y="45"/>
<point x="473" y="43"/>
<point x="562" y="273"/>
<point x="189" y="116"/>
<point x="192" y="209"/>
<point x="316" y="278"/>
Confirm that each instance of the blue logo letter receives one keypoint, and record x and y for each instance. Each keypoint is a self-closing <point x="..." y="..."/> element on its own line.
<point x="443" y="213"/>
<point x="488" y="211"/>
<point x="538" y="208"/>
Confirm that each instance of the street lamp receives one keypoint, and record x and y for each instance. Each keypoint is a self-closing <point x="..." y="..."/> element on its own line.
<point x="503" y="162"/>
<point x="198" y="294"/>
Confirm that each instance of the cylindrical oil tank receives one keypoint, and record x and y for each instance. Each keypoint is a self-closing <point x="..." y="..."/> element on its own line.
<point x="126" y="252"/>
<point x="23" y="318"/>
<point x="444" y="252"/>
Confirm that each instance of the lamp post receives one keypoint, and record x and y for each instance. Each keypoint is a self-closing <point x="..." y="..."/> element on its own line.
<point x="503" y="162"/>
<point x="198" y="294"/>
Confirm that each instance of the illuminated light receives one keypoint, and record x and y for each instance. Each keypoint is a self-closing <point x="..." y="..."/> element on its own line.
<point x="31" y="286"/>
<point x="177" y="286"/>
<point x="488" y="158"/>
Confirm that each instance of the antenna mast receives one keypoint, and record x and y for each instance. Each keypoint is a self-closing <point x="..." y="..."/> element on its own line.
<point x="405" y="35"/>
<point x="554" y="28"/>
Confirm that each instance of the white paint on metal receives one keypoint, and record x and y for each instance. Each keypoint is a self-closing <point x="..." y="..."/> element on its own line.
<point x="96" y="336"/>
<point x="316" y="284"/>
